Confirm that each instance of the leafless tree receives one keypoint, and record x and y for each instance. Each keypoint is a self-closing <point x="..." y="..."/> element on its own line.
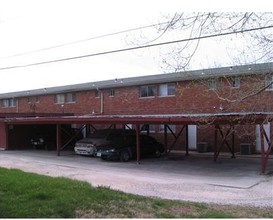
<point x="247" y="37"/>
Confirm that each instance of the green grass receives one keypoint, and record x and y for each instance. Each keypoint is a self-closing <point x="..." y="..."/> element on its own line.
<point x="27" y="195"/>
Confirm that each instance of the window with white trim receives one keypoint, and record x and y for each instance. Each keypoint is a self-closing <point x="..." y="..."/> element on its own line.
<point x="70" y="97"/>
<point x="111" y="93"/>
<point x="235" y="82"/>
<point x="167" y="89"/>
<point x="147" y="91"/>
<point x="97" y="93"/>
<point x="59" y="99"/>
<point x="269" y="82"/>
<point x="212" y="84"/>
<point x="6" y="103"/>
<point x="172" y="127"/>
<point x="145" y="127"/>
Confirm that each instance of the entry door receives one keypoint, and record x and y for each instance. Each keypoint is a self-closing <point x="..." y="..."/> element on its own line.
<point x="192" y="137"/>
<point x="258" y="137"/>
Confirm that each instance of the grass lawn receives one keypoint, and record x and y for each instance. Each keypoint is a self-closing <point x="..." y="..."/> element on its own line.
<point x="27" y="195"/>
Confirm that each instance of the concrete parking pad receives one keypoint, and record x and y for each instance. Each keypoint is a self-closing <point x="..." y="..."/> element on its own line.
<point x="189" y="178"/>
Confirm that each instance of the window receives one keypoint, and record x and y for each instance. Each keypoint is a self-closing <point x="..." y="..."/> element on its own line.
<point x="172" y="127"/>
<point x="97" y="93"/>
<point x="5" y="103"/>
<point x="70" y="97"/>
<point x="145" y="127"/>
<point x="13" y="102"/>
<point x="111" y="92"/>
<point x="33" y="99"/>
<point x="235" y="82"/>
<point x="212" y="84"/>
<point x="147" y="91"/>
<point x="9" y="103"/>
<point x="269" y="82"/>
<point x="59" y="98"/>
<point x="37" y="98"/>
<point x="62" y="98"/>
<point x="167" y="89"/>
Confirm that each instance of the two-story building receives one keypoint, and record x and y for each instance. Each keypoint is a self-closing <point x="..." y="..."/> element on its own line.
<point x="200" y="93"/>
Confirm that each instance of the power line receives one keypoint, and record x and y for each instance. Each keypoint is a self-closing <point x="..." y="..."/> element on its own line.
<point x="134" y="48"/>
<point x="91" y="38"/>
<point x="80" y="41"/>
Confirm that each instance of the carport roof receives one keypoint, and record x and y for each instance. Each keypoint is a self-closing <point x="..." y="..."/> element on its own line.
<point x="185" y="119"/>
<point x="262" y="68"/>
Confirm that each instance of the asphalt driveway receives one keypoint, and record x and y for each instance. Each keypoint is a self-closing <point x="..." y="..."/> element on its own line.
<point x="193" y="178"/>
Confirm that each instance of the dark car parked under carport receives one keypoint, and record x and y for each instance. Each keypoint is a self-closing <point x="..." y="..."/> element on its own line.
<point x="126" y="148"/>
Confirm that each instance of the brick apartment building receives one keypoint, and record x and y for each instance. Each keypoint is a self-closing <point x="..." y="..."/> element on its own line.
<point x="236" y="89"/>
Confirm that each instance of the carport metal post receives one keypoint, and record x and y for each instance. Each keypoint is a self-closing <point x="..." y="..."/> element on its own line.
<point x="138" y="142"/>
<point x="187" y="140"/>
<point x="265" y="153"/>
<point x="58" y="139"/>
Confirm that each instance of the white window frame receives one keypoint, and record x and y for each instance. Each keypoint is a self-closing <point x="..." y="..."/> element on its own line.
<point x="7" y="103"/>
<point x="111" y="92"/>
<point x="70" y="97"/>
<point x="269" y="80"/>
<point x="12" y="102"/>
<point x="167" y="89"/>
<point x="97" y="93"/>
<point x="147" y="91"/>
<point x="235" y="82"/>
<point x="212" y="84"/>
<point x="59" y="99"/>
<point x="151" y="128"/>
<point x="162" y="128"/>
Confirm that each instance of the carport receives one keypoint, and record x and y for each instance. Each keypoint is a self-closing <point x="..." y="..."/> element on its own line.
<point x="217" y="120"/>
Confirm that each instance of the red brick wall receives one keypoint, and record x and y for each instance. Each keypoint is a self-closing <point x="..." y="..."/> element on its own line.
<point x="190" y="97"/>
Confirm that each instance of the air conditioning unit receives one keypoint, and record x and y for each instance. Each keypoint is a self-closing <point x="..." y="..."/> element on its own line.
<point x="245" y="149"/>
<point x="202" y="147"/>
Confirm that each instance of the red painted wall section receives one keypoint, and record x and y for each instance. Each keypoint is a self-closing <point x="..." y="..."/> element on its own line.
<point x="3" y="136"/>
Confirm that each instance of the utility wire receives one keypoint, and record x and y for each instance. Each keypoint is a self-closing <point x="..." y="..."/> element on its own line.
<point x="92" y="38"/>
<point x="80" y="41"/>
<point x="135" y="48"/>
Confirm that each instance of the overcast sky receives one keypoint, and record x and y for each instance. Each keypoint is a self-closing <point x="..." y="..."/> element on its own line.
<point x="28" y="26"/>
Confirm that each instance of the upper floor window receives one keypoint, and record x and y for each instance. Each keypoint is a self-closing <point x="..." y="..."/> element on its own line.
<point x="97" y="93"/>
<point x="111" y="92"/>
<point x="70" y="97"/>
<point x="147" y="91"/>
<point x="269" y="82"/>
<point x="59" y="98"/>
<point x="33" y="99"/>
<point x="212" y="84"/>
<point x="62" y="98"/>
<point x="235" y="82"/>
<point x="167" y="89"/>
<point x="9" y="103"/>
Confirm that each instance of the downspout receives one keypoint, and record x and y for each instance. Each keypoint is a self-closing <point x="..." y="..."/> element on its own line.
<point x="101" y="103"/>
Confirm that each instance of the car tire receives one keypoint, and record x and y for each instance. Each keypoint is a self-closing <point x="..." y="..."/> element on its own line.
<point x="157" y="153"/>
<point x="124" y="156"/>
